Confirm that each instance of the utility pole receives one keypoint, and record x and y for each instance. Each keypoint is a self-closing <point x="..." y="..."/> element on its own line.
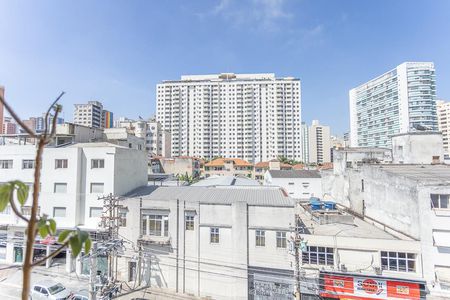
<point x="297" y="240"/>
<point x="93" y="272"/>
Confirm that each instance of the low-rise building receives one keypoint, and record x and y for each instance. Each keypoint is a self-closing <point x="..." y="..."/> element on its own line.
<point x="122" y="137"/>
<point x="299" y="184"/>
<point x="420" y="147"/>
<point x="176" y="166"/>
<point x="219" y="242"/>
<point x="73" y="177"/>
<point x="261" y="168"/>
<point x="228" y="167"/>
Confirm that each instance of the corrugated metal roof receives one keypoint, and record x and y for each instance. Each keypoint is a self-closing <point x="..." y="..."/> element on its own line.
<point x="227" y="181"/>
<point x="256" y="196"/>
<point x="294" y="174"/>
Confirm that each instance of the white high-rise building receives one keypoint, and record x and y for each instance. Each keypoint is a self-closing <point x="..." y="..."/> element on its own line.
<point x="319" y="142"/>
<point x="443" y="112"/>
<point x="399" y="101"/>
<point x="305" y="143"/>
<point x="256" y="117"/>
<point x="90" y="114"/>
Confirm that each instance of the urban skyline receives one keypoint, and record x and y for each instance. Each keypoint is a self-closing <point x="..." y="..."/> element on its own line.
<point x="100" y="68"/>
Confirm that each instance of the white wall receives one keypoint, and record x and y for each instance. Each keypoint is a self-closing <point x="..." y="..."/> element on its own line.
<point x="298" y="188"/>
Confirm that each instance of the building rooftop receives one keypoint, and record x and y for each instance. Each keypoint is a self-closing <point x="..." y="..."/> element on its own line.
<point x="358" y="228"/>
<point x="363" y="149"/>
<point x="434" y="174"/>
<point x="227" y="181"/>
<point x="265" y="164"/>
<point x="294" y="174"/>
<point x="220" y="162"/>
<point x="252" y="195"/>
<point x="95" y="144"/>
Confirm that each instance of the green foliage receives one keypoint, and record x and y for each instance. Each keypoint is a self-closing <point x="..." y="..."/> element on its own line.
<point x="8" y="189"/>
<point x="288" y="161"/>
<point x="76" y="239"/>
<point x="46" y="226"/>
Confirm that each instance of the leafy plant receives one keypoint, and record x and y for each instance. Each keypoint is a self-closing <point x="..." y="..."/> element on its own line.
<point x="15" y="193"/>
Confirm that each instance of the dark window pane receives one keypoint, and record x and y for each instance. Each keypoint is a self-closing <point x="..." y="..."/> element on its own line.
<point x="411" y="265"/>
<point x="401" y="255"/>
<point x="402" y="265"/>
<point x="383" y="253"/>
<point x="435" y="201"/>
<point x="384" y="263"/>
<point x="392" y="254"/>
<point x="321" y="258"/>
<point x="411" y="255"/>
<point x="393" y="264"/>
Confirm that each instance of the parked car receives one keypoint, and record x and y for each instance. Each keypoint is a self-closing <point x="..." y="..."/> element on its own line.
<point x="80" y="295"/>
<point x="49" y="290"/>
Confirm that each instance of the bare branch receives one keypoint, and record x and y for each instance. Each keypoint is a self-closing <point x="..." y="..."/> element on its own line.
<point x="14" y="207"/>
<point x="48" y="113"/>
<point x="16" y="118"/>
<point x="52" y="133"/>
<point x="54" y="253"/>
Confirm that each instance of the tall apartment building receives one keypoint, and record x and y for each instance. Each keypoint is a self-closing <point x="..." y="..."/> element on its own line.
<point x="305" y="143"/>
<point x="398" y="101"/>
<point x="9" y="126"/>
<point x="90" y="114"/>
<point x="443" y="112"/>
<point x="2" y="93"/>
<point x="319" y="143"/>
<point x="107" y="119"/>
<point x="255" y="117"/>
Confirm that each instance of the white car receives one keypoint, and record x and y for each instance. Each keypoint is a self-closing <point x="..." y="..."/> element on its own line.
<point x="49" y="290"/>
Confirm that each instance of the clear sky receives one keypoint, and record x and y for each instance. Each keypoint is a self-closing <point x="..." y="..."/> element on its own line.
<point x="117" y="51"/>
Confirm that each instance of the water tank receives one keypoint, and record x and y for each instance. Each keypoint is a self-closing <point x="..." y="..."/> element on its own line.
<point x="315" y="205"/>
<point x="314" y="199"/>
<point x="329" y="205"/>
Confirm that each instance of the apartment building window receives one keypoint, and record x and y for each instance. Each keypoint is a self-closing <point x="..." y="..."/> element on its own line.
<point x="59" y="212"/>
<point x="97" y="163"/>
<point x="214" y="235"/>
<point x="6" y="164"/>
<point x="260" y="238"/>
<point x="26" y="210"/>
<point x="155" y="225"/>
<point x="97" y="187"/>
<point x="281" y="239"/>
<point x="95" y="212"/>
<point x="122" y="217"/>
<point x="189" y="222"/>
<point x="3" y="238"/>
<point x="440" y="201"/>
<point x="60" y="163"/>
<point x="60" y="188"/>
<point x="27" y="164"/>
<point x="398" y="261"/>
<point x="318" y="256"/>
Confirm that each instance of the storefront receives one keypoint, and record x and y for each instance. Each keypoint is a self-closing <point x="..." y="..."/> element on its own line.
<point x="356" y="286"/>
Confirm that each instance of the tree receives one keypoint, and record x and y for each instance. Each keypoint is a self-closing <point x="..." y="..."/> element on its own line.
<point x="15" y="193"/>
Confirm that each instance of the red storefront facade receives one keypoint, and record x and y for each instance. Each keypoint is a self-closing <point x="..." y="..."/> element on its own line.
<point x="356" y="286"/>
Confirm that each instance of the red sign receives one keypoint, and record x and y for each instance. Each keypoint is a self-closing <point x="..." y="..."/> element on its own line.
<point x="367" y="288"/>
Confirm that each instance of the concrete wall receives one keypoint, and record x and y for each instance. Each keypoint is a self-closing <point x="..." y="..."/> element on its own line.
<point x="298" y="188"/>
<point x="418" y="148"/>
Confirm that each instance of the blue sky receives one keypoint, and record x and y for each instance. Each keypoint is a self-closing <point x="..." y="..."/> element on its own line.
<point x="117" y="51"/>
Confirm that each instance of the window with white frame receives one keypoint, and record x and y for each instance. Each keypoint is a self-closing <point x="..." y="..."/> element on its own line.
<point x="260" y="236"/>
<point x="97" y="163"/>
<point x="95" y="212"/>
<point x="281" y="239"/>
<point x="155" y="225"/>
<point x="60" y="188"/>
<point x="318" y="256"/>
<point x="123" y="217"/>
<point x="61" y="163"/>
<point x="28" y="164"/>
<point x="440" y="201"/>
<point x="26" y="210"/>
<point x="6" y="164"/>
<point x="214" y="237"/>
<point x="189" y="222"/>
<point x="398" y="261"/>
<point x="59" y="212"/>
<point x="97" y="187"/>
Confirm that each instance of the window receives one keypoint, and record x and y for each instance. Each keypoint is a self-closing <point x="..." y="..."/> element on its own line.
<point x="97" y="188"/>
<point x="156" y="225"/>
<point x="27" y="164"/>
<point x="398" y="261"/>
<point x="122" y="217"/>
<point x="97" y="163"/>
<point x="440" y="201"/>
<point x="59" y="212"/>
<point x="189" y="222"/>
<point x="318" y="256"/>
<point x="214" y="235"/>
<point x="260" y="238"/>
<point x="26" y="210"/>
<point x="362" y="185"/>
<point x="290" y="183"/>
<point x="6" y="164"/>
<point x="60" y="163"/>
<point x="281" y="239"/>
<point x="95" y="212"/>
<point x="60" y="188"/>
